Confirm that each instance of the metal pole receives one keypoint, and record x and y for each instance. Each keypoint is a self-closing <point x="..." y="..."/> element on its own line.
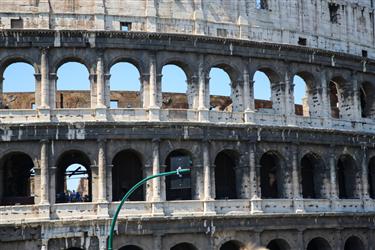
<point x="135" y="187"/>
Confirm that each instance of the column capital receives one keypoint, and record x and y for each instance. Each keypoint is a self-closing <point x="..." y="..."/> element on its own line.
<point x="53" y="76"/>
<point x="92" y="77"/>
<point x="107" y="76"/>
<point x="156" y="140"/>
<point x="44" y="140"/>
<point x="38" y="76"/>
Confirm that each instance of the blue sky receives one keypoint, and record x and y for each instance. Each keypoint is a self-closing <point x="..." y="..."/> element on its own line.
<point x="124" y="76"/>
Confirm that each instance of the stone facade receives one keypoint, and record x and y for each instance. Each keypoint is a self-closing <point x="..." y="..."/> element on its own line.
<point x="261" y="173"/>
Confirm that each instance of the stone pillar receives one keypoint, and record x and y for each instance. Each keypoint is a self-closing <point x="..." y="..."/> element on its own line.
<point x="157" y="245"/>
<point x="102" y="172"/>
<point x="107" y="91"/>
<point x="53" y="91"/>
<point x="145" y="87"/>
<point x="364" y="176"/>
<point x="52" y="184"/>
<point x="207" y="170"/>
<point x="100" y="84"/>
<point x="109" y="182"/>
<point x="202" y="106"/>
<point x="1" y="93"/>
<point x="332" y="164"/>
<point x="325" y="105"/>
<point x="37" y="94"/>
<point x="242" y="180"/>
<point x="278" y="97"/>
<point x="149" y="191"/>
<point x="94" y="182"/>
<point x="297" y="200"/>
<point x="197" y="180"/>
<point x="193" y="93"/>
<point x="248" y="96"/>
<point x="237" y="95"/>
<point x="154" y="108"/>
<point x="93" y="92"/>
<point x="44" y="173"/>
<point x="156" y="191"/>
<point x="357" y="109"/>
<point x="289" y="96"/>
<point x="252" y="167"/>
<point x="44" y="82"/>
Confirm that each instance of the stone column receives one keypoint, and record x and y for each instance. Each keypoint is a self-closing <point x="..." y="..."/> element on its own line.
<point x="332" y="164"/>
<point x="154" y="108"/>
<point x="364" y="176"/>
<point x="297" y="197"/>
<point x="100" y="83"/>
<point x="252" y="167"/>
<point x="289" y="97"/>
<point x="207" y="170"/>
<point x="145" y="87"/>
<point x="52" y="184"/>
<point x="192" y="92"/>
<point x="248" y="97"/>
<point x="278" y="97"/>
<point x="44" y="173"/>
<point x="93" y="90"/>
<point x="53" y="91"/>
<point x="242" y="180"/>
<point x="157" y="245"/>
<point x="109" y="182"/>
<point x="149" y="187"/>
<point x="102" y="172"/>
<point x="357" y="109"/>
<point x="107" y="91"/>
<point x="202" y="106"/>
<point x="44" y="82"/>
<point x="156" y="191"/>
<point x="37" y="94"/>
<point x="325" y="105"/>
<point x="1" y="93"/>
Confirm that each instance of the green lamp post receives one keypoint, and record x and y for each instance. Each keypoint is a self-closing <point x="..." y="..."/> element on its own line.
<point x="179" y="172"/>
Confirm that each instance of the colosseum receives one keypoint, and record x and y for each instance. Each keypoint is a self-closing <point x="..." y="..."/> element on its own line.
<point x="268" y="173"/>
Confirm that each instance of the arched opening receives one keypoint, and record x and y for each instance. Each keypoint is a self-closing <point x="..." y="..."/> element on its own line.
<point x="278" y="244"/>
<point x="130" y="247"/>
<point x="74" y="164"/>
<point x="126" y="172"/>
<point x="184" y="246"/>
<point x="367" y="95"/>
<point x="354" y="243"/>
<point x="271" y="176"/>
<point x="18" y="179"/>
<point x="125" y="86"/>
<point x="220" y="90"/>
<point x="371" y="177"/>
<point x="174" y="87"/>
<point x="225" y="175"/>
<point x="73" y="86"/>
<point x="346" y="175"/>
<point x="313" y="176"/>
<point x="303" y="94"/>
<point x="178" y="188"/>
<point x="232" y="245"/>
<point x="19" y="87"/>
<point x="262" y="91"/>
<point x="318" y="244"/>
<point x="334" y="96"/>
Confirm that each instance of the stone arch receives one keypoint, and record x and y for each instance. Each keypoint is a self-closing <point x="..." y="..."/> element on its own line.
<point x="367" y="97"/>
<point x="278" y="244"/>
<point x="125" y="178"/>
<point x="180" y="62"/>
<point x="184" y="246"/>
<point x="178" y="188"/>
<point x="65" y="160"/>
<point x="311" y="94"/>
<point x="318" y="243"/>
<point x="271" y="175"/>
<point x="232" y="245"/>
<point x="346" y="177"/>
<point x="313" y="176"/>
<point x="17" y="179"/>
<point x="226" y="163"/>
<point x="126" y="59"/>
<point x="354" y="243"/>
<point x="5" y="62"/>
<point x="124" y="93"/>
<point x="57" y="62"/>
<point x="177" y="96"/>
<point x="335" y="94"/>
<point x="268" y="70"/>
<point x="130" y="247"/>
<point x="371" y="177"/>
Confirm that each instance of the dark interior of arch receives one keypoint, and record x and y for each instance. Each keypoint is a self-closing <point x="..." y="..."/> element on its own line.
<point x="278" y="244"/>
<point x="270" y="176"/>
<point x="354" y="243"/>
<point x="346" y="176"/>
<point x="371" y="177"/>
<point x="130" y="247"/>
<point x="334" y="100"/>
<point x="318" y="244"/>
<point x="231" y="245"/>
<point x="18" y="179"/>
<point x="126" y="172"/>
<point x="184" y="246"/>
<point x="178" y="188"/>
<point x="312" y="173"/>
<point x="65" y="160"/>
<point x="225" y="176"/>
<point x="367" y="95"/>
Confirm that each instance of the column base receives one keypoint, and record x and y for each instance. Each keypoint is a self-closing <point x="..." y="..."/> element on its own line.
<point x="154" y="114"/>
<point x="103" y="209"/>
<point x="44" y="211"/>
<point x="203" y="115"/>
<point x="249" y="117"/>
<point x="157" y="209"/>
<point x="44" y="114"/>
<point x="256" y="205"/>
<point x="101" y="114"/>
<point x="298" y="205"/>
<point x="209" y="207"/>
